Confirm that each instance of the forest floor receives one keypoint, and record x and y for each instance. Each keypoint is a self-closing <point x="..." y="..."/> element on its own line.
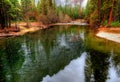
<point x="112" y="33"/>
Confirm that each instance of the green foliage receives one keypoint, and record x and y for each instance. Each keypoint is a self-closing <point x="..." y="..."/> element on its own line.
<point x="46" y="9"/>
<point x="113" y="24"/>
<point x="96" y="16"/>
<point x="9" y="11"/>
<point x="27" y="10"/>
<point x="73" y="12"/>
<point x="91" y="11"/>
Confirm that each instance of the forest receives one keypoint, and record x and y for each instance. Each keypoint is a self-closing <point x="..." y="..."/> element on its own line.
<point x="96" y="12"/>
<point x="59" y="40"/>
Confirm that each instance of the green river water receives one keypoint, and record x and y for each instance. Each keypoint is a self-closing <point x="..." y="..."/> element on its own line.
<point x="59" y="54"/>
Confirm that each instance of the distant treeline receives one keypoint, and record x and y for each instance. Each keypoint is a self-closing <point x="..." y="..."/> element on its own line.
<point x="45" y="11"/>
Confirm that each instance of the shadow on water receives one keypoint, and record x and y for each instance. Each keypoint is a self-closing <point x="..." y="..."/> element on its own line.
<point x="59" y="54"/>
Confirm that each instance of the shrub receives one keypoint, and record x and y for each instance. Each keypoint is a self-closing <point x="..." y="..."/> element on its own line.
<point x="67" y="19"/>
<point x="64" y="18"/>
<point x="44" y="19"/>
<point x="52" y="17"/>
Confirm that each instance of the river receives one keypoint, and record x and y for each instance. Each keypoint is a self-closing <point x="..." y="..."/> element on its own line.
<point x="59" y="54"/>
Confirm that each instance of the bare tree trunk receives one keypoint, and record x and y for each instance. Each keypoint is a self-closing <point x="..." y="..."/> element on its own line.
<point x="111" y="14"/>
<point x="99" y="1"/>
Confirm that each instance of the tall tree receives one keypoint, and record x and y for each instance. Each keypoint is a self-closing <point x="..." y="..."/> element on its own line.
<point x="27" y="7"/>
<point x="118" y="11"/>
<point x="99" y="3"/>
<point x="15" y="10"/>
<point x="111" y="13"/>
<point x="5" y="6"/>
<point x="102" y="10"/>
<point x="8" y="10"/>
<point x="46" y="6"/>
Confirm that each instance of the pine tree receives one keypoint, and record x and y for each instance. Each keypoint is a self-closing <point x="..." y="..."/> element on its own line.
<point x="43" y="7"/>
<point x="26" y="10"/>
<point x="8" y="9"/>
<point x="15" y="10"/>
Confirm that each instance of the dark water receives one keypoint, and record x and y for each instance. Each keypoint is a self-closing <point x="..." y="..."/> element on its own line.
<point x="59" y="54"/>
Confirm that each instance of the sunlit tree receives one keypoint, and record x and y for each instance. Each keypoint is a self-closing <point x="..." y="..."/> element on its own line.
<point x="9" y="10"/>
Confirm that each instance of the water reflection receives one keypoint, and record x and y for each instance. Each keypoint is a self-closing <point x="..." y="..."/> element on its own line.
<point x="113" y="71"/>
<point x="98" y="62"/>
<point x="97" y="65"/>
<point x="74" y="72"/>
<point x="93" y="66"/>
<point x="113" y="76"/>
<point x="11" y="59"/>
<point x="31" y="57"/>
<point x="42" y="53"/>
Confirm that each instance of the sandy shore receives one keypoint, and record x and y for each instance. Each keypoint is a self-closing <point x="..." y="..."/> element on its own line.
<point x="35" y="26"/>
<point x="109" y="36"/>
<point x="71" y="23"/>
<point x="23" y="30"/>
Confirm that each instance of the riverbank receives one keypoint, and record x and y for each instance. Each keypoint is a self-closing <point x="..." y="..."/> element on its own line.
<point x="35" y="26"/>
<point x="112" y="34"/>
<point x="22" y="29"/>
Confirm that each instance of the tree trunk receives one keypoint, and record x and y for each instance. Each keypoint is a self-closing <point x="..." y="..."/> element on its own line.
<point x="99" y="1"/>
<point x="111" y="14"/>
<point x="118" y="12"/>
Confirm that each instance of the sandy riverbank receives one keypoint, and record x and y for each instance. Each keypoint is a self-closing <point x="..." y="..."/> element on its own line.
<point x="35" y="26"/>
<point x="112" y="34"/>
<point x="22" y="30"/>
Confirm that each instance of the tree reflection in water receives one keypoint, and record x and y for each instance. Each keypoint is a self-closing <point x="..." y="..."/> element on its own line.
<point x="11" y="59"/>
<point x="33" y="56"/>
<point x="97" y="64"/>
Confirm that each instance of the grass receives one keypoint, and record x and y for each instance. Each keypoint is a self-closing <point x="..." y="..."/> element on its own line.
<point x="113" y="24"/>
